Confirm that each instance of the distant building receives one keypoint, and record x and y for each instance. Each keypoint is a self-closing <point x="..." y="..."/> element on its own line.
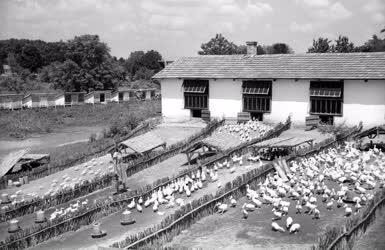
<point x="337" y="87"/>
<point x="11" y="101"/>
<point x="98" y="96"/>
<point x="70" y="98"/>
<point x="122" y="94"/>
<point x="39" y="100"/>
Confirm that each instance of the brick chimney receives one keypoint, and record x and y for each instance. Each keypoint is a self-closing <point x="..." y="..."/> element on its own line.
<point x="251" y="47"/>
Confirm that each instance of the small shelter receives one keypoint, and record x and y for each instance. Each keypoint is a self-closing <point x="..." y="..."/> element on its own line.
<point x="39" y="100"/>
<point x="11" y="101"/>
<point x="70" y="98"/>
<point x="140" y="145"/>
<point x="22" y="161"/>
<point x="279" y="144"/>
<point x="373" y="136"/>
<point x="98" y="96"/>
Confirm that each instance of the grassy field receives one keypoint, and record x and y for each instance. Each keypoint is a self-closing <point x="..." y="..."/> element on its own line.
<point x="22" y="123"/>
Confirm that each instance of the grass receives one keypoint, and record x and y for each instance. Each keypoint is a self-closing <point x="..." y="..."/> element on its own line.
<point x="125" y="116"/>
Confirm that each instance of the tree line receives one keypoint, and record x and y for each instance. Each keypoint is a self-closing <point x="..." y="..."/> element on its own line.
<point x="83" y="63"/>
<point x="219" y="45"/>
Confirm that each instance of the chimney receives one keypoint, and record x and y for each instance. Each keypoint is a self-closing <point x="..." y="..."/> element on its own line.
<point x="251" y="47"/>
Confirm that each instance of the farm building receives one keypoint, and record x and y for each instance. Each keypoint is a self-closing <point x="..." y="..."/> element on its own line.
<point x="70" y="98"/>
<point x="337" y="87"/>
<point x="121" y="95"/>
<point x="11" y="101"/>
<point x="39" y="100"/>
<point x="98" y="96"/>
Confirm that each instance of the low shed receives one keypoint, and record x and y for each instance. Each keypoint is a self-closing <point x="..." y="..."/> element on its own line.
<point x="11" y="101"/>
<point x="22" y="161"/>
<point x="98" y="96"/>
<point x="141" y="144"/>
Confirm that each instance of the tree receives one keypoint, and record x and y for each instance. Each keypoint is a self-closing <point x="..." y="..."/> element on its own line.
<point x="143" y="73"/>
<point x="375" y="44"/>
<point x="279" y="48"/>
<point x="343" y="45"/>
<point x="218" y="45"/>
<point x="322" y="45"/>
<point x="30" y="58"/>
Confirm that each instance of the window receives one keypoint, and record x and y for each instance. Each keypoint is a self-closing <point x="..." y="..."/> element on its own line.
<point x="326" y="98"/>
<point x="152" y="93"/>
<point x="67" y="98"/>
<point x="120" y="96"/>
<point x="256" y="96"/>
<point x="196" y="94"/>
<point x="102" y="97"/>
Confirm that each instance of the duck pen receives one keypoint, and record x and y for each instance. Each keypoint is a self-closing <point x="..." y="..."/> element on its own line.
<point x="157" y="238"/>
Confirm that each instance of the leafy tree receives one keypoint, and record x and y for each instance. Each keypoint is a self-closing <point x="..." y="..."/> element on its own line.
<point x="375" y="44"/>
<point x="322" y="45"/>
<point x="30" y="58"/>
<point x="218" y="45"/>
<point x="279" y="48"/>
<point x="343" y="45"/>
<point x="144" y="73"/>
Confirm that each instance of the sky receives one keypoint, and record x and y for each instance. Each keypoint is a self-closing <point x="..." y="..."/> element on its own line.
<point x="177" y="28"/>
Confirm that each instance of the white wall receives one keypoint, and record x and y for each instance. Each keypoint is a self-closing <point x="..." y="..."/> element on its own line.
<point x="289" y="97"/>
<point x="89" y="99"/>
<point x="59" y="101"/>
<point x="363" y="101"/>
<point x="225" y="98"/>
<point x="172" y="99"/>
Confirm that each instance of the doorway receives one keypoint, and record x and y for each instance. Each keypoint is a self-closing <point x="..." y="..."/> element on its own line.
<point x="258" y="116"/>
<point x="196" y="113"/>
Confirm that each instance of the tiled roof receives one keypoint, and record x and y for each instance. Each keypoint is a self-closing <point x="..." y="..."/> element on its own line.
<point x="282" y="66"/>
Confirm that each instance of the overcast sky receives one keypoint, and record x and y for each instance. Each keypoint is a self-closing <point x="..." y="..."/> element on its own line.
<point x="178" y="27"/>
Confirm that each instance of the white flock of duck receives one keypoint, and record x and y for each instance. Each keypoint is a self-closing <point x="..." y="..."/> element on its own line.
<point x="338" y="178"/>
<point x="93" y="169"/>
<point x="246" y="131"/>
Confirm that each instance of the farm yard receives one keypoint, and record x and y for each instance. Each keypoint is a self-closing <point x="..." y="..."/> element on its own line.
<point x="329" y="179"/>
<point x="167" y="168"/>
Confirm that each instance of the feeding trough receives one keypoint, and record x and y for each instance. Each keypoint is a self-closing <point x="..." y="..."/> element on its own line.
<point x="97" y="232"/>
<point x="13" y="226"/>
<point x="40" y="217"/>
<point x="5" y="199"/>
<point x="126" y="218"/>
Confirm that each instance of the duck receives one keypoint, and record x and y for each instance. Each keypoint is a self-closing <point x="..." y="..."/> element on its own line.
<point x="329" y="205"/>
<point x="132" y="204"/>
<point x="222" y="208"/>
<point x="277" y="227"/>
<point x="249" y="207"/>
<point x="298" y="207"/>
<point x="140" y="201"/>
<point x="295" y="228"/>
<point x="348" y="210"/>
<point x="289" y="222"/>
<point x="245" y="213"/>
<point x="233" y="202"/>
<point x="139" y="208"/>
